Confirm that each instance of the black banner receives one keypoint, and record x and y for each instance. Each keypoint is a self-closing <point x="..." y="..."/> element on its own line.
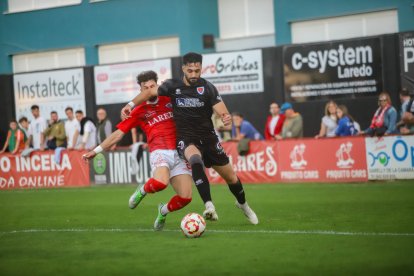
<point x="333" y="69"/>
<point x="407" y="60"/>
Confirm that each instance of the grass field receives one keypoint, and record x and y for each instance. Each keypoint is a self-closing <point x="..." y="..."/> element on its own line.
<point x="305" y="229"/>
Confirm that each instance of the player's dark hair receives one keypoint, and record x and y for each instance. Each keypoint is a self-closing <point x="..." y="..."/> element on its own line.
<point x="68" y="108"/>
<point x="192" y="57"/>
<point x="33" y="107"/>
<point x="147" y="76"/>
<point x="23" y="119"/>
<point x="53" y="112"/>
<point x="404" y="92"/>
<point x="79" y="112"/>
<point x="236" y="113"/>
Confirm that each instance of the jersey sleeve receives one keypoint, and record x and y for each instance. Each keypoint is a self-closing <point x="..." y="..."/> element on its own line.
<point x="214" y="95"/>
<point x="126" y="125"/>
<point x="165" y="88"/>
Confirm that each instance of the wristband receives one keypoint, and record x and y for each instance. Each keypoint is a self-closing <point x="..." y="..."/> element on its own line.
<point x="131" y="104"/>
<point x="98" y="149"/>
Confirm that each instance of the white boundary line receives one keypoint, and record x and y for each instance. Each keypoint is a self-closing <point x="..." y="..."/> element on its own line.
<point x="276" y="232"/>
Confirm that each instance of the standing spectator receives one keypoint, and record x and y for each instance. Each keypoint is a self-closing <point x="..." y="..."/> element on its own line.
<point x="293" y="125"/>
<point x="24" y="126"/>
<point x="346" y="126"/>
<point x="36" y="128"/>
<point x="87" y="131"/>
<point x="407" y="119"/>
<point x="55" y="134"/>
<point x="103" y="127"/>
<point x="385" y="118"/>
<point x="243" y="129"/>
<point x="15" y="139"/>
<point x="274" y="122"/>
<point x="329" y="121"/>
<point x="405" y="99"/>
<point x="223" y="132"/>
<point x="72" y="128"/>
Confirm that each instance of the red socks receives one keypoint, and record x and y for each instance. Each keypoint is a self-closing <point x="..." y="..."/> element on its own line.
<point x="153" y="186"/>
<point x="177" y="202"/>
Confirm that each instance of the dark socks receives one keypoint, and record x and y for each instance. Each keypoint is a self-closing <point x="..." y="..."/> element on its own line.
<point x="238" y="192"/>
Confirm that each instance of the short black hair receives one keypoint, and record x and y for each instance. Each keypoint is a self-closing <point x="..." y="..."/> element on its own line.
<point x="68" y="108"/>
<point x="33" y="107"/>
<point x="53" y="112"/>
<point x="23" y="119"/>
<point x="192" y="57"/>
<point x="404" y="92"/>
<point x="236" y="113"/>
<point x="79" y="112"/>
<point x="147" y="76"/>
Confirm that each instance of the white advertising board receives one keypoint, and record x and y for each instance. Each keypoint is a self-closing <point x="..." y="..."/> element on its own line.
<point x="117" y="83"/>
<point x="235" y="72"/>
<point x="390" y="157"/>
<point x="50" y="90"/>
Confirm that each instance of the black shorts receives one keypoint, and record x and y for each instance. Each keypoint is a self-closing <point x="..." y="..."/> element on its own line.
<point x="211" y="150"/>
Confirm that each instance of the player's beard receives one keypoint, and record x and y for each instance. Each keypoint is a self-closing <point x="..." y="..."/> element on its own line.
<point x="192" y="81"/>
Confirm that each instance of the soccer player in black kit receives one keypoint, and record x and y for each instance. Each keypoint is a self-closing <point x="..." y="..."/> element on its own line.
<point x="194" y="99"/>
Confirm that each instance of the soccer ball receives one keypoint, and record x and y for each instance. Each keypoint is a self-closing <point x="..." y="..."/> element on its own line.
<point x="193" y="225"/>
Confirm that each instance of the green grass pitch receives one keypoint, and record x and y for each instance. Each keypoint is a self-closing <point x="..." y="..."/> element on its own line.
<point x="305" y="229"/>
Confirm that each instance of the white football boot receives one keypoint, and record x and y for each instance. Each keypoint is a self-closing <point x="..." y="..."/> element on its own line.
<point x="210" y="212"/>
<point x="248" y="212"/>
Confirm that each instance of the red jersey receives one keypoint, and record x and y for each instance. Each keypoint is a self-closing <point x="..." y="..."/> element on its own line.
<point x="156" y="120"/>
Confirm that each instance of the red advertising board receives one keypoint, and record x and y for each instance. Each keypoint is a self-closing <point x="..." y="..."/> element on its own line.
<point x="323" y="160"/>
<point x="259" y="166"/>
<point x="40" y="171"/>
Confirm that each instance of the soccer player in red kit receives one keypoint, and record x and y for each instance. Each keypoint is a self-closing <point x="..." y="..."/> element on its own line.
<point x="155" y="118"/>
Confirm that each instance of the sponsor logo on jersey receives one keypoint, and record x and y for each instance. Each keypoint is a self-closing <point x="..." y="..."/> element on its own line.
<point x="160" y="118"/>
<point x="218" y="98"/>
<point x="168" y="105"/>
<point x="181" y="145"/>
<point x="150" y="114"/>
<point x="200" y="90"/>
<point x="178" y="91"/>
<point x="189" y="102"/>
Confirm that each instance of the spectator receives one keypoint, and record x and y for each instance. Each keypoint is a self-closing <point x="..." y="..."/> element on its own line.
<point x="55" y="134"/>
<point x="405" y="99"/>
<point x="385" y="118"/>
<point x="223" y="132"/>
<point x="24" y="126"/>
<point x="274" y="122"/>
<point x="329" y="121"/>
<point x="408" y="119"/>
<point x="87" y="131"/>
<point x="293" y="124"/>
<point x="243" y="129"/>
<point x="346" y="126"/>
<point x="15" y="139"/>
<point x="36" y="128"/>
<point x="72" y="128"/>
<point x="103" y="127"/>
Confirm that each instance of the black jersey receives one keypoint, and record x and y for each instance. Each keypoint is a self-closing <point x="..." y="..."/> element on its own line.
<point x="192" y="106"/>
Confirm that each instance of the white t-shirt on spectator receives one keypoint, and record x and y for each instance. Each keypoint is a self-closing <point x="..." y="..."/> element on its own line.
<point x="70" y="127"/>
<point x="36" y="128"/>
<point x="330" y="124"/>
<point x="273" y="124"/>
<point x="91" y="129"/>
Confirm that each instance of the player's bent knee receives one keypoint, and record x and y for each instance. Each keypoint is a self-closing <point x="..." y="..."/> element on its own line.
<point x="195" y="159"/>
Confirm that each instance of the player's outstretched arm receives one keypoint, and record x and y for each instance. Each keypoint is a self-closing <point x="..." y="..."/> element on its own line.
<point x="111" y="140"/>
<point x="145" y="94"/>
<point x="221" y="109"/>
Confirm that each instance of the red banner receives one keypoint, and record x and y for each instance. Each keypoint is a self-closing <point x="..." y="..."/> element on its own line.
<point x="323" y="160"/>
<point x="305" y="160"/>
<point x="259" y="166"/>
<point x="40" y="171"/>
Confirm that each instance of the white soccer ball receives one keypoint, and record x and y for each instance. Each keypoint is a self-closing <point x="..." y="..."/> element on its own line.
<point x="193" y="225"/>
